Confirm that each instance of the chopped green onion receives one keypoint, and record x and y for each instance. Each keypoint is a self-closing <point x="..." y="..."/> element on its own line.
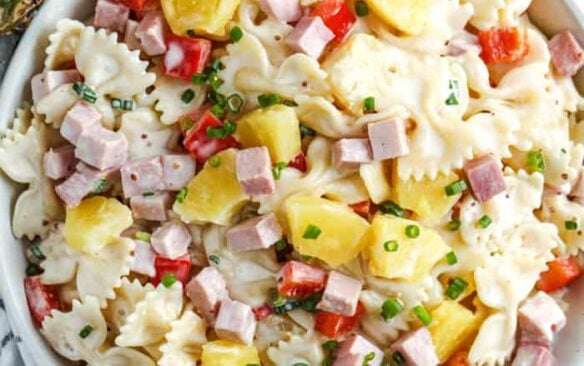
<point x="215" y="161"/>
<point x="451" y="258"/>
<point x="307" y="131"/>
<point x="564" y="151"/>
<point x="328" y="360"/>
<point x="456" y="288"/>
<point x="368" y="357"/>
<point x="453" y="225"/>
<point x="455" y="188"/>
<point x="191" y="33"/>
<point x="391" y="246"/>
<point x="199" y="79"/>
<point x="86" y="331"/>
<point x="266" y="100"/>
<point x="361" y="8"/>
<point x="369" y="105"/>
<point x="33" y="269"/>
<point x="412" y="231"/>
<point x="236" y="34"/>
<point x="485" y="221"/>
<point x="421" y="313"/>
<point x="214" y="80"/>
<point x="312" y="232"/>
<point x="391" y="208"/>
<point x="330" y="345"/>
<point x="216" y="65"/>
<point x="536" y="161"/>
<point x="221" y="132"/>
<point x="188" y="96"/>
<point x="454" y="89"/>
<point x="571" y="225"/>
<point x="37" y="253"/>
<point x="85" y="92"/>
<point x="168" y="280"/>
<point x="149" y="194"/>
<point x="215" y="259"/>
<point x="309" y="304"/>
<point x="281" y="244"/>
<point x="186" y="124"/>
<point x="217" y="98"/>
<point x="143" y="236"/>
<point x="290" y="103"/>
<point x="99" y="186"/>
<point x="287" y="306"/>
<point x="182" y="195"/>
<point x="391" y="308"/>
<point x="123" y="104"/>
<point x="234" y="103"/>
<point x="398" y="358"/>
<point x="217" y="110"/>
<point x="277" y="170"/>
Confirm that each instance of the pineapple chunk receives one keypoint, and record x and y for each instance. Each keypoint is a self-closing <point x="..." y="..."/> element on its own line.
<point x="214" y="195"/>
<point x="347" y="190"/>
<point x="414" y="257"/>
<point x="375" y="176"/>
<point x="276" y="127"/>
<point x="341" y="229"/>
<point x="225" y="353"/>
<point x="452" y="325"/>
<point x="426" y="198"/>
<point x="408" y="16"/>
<point x="95" y="223"/>
<point x="203" y="16"/>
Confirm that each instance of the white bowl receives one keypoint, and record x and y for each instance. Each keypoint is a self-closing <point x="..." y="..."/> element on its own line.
<point x="550" y="15"/>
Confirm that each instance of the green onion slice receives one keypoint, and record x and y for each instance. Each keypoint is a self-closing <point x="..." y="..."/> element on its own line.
<point x="391" y="208"/>
<point x="215" y="259"/>
<point x="182" y="195"/>
<point x="422" y="314"/>
<point x="307" y="131"/>
<point x="536" y="161"/>
<point x="453" y="225"/>
<point x="391" y="246"/>
<point x="369" y="105"/>
<point x="188" y="96"/>
<point x="412" y="231"/>
<point x="330" y="345"/>
<point x="571" y="225"/>
<point x="215" y="161"/>
<point x="451" y="258"/>
<point x="391" y="308"/>
<point x="236" y="34"/>
<point x="235" y="103"/>
<point x="143" y="236"/>
<point x="456" y="288"/>
<point x="368" y="357"/>
<point x="266" y="100"/>
<point x="86" y="331"/>
<point x="361" y="8"/>
<point x="455" y="188"/>
<point x="277" y="170"/>
<point x="85" y="92"/>
<point x="312" y="232"/>
<point x="168" y="280"/>
<point x="398" y="358"/>
<point x="485" y="222"/>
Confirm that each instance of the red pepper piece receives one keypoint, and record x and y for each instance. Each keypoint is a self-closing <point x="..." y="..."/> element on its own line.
<point x="561" y="273"/>
<point x="503" y="45"/>
<point x="186" y="56"/>
<point x="180" y="267"/>
<point x="337" y="16"/>
<point x="262" y="312"/>
<point x="201" y="146"/>
<point x="42" y="299"/>
<point x="334" y="325"/>
<point x="299" y="280"/>
<point x="299" y="163"/>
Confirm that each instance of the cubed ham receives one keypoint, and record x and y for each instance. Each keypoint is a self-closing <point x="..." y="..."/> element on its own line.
<point x="141" y="176"/>
<point x="111" y="15"/>
<point x="310" y="36"/>
<point x="43" y="84"/>
<point x="417" y="348"/>
<point x="102" y="148"/>
<point x="254" y="171"/>
<point x="485" y="177"/>
<point x="298" y="280"/>
<point x="286" y="11"/>
<point x="171" y="240"/>
<point x="79" y="119"/>
<point x="144" y="258"/>
<point x="153" y="208"/>
<point x="349" y="154"/>
<point x="534" y="355"/>
<point x="341" y="294"/>
<point x="388" y="139"/>
<point x="463" y="42"/>
<point x="567" y="54"/>
<point x="151" y="33"/>
<point x="541" y="316"/>
<point x="354" y="350"/>
<point x="235" y="322"/>
<point x="130" y="39"/>
<point x="207" y="290"/>
<point x="178" y="170"/>
<point x="77" y="186"/>
<point x="60" y="162"/>
<point x="257" y="233"/>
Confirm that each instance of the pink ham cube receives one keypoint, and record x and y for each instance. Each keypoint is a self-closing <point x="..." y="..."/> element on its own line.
<point x="485" y="177"/>
<point x="102" y="148"/>
<point x="534" y="355"/>
<point x="79" y="119"/>
<point x="207" y="290"/>
<point x="310" y="36"/>
<point x="77" y="186"/>
<point x="417" y="348"/>
<point x="354" y="350"/>
<point x="142" y="176"/>
<point x="60" y="162"/>
<point x="567" y="53"/>
<point x="171" y="240"/>
<point x="178" y="170"/>
<point x="153" y="208"/>
<point x="286" y="11"/>
<point x="130" y="39"/>
<point x="111" y="15"/>
<point x="235" y="322"/>
<point x="144" y="258"/>
<point x="254" y="171"/>
<point x="388" y="139"/>
<point x="349" y="154"/>
<point x="43" y="84"/>
<point x="341" y="294"/>
<point x="257" y="233"/>
<point x="151" y="33"/>
<point x="541" y="317"/>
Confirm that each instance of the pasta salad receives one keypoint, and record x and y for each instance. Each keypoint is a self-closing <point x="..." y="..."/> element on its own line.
<point x="301" y="182"/>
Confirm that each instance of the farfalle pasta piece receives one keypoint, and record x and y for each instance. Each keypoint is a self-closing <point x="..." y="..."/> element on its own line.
<point x="373" y="325"/>
<point x="118" y="356"/>
<point x="322" y="116"/>
<point x="152" y="317"/>
<point x="60" y="265"/>
<point x="56" y="104"/>
<point x="298" y="349"/>
<point x="488" y="14"/>
<point x="63" y="43"/>
<point x="147" y="137"/>
<point x="110" y="67"/>
<point x="23" y="119"/>
<point x="169" y="91"/>
<point x="495" y="340"/>
<point x="128" y="295"/>
<point x="558" y="209"/>
<point x="184" y="341"/>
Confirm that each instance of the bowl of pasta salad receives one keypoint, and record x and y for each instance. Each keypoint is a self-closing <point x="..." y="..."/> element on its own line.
<point x="295" y="182"/>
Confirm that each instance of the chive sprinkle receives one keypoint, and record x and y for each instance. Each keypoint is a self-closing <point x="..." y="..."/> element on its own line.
<point x="309" y="304"/>
<point x="214" y="80"/>
<point x="328" y="360"/>
<point x="391" y="246"/>
<point x="485" y="221"/>
<point x="451" y="258"/>
<point x="37" y="253"/>
<point x="391" y="208"/>
<point x="123" y="104"/>
<point x="290" y="103"/>
<point x="188" y="96"/>
<point x="99" y="186"/>
<point x="391" y="308"/>
<point x="369" y="357"/>
<point x="277" y="170"/>
<point x="215" y="259"/>
<point x="455" y="188"/>
<point x="330" y="345"/>
<point x="369" y="105"/>
<point x="453" y="225"/>
<point x="215" y="161"/>
<point x="149" y="194"/>
<point x="85" y="92"/>
<point x="143" y="236"/>
<point x="168" y="280"/>
<point x="454" y="93"/>
<point x="182" y="195"/>
<point x="398" y="358"/>
<point x="235" y="103"/>
<point x="217" y="110"/>
<point x="312" y="232"/>
<point x="199" y="79"/>
<point x="33" y="269"/>
<point x="571" y="225"/>
<point x="306" y="131"/>
<point x="412" y="231"/>
<point x="422" y="314"/>
<point x="186" y="124"/>
<point x="361" y="8"/>
<point x="191" y="33"/>
<point x="236" y="34"/>
<point x="456" y="288"/>
<point x="536" y="161"/>
<point x="266" y="100"/>
<point x="86" y="331"/>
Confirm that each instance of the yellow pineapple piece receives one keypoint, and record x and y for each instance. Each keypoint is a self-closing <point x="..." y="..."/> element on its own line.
<point x="340" y="229"/>
<point x="375" y="176"/>
<point x="413" y="258"/>
<point x="452" y="326"/>
<point x="214" y="195"/>
<point x="95" y="223"/>
<point x="203" y="16"/>
<point x="225" y="353"/>
<point x="276" y="127"/>
<point x="408" y="16"/>
<point x="426" y="198"/>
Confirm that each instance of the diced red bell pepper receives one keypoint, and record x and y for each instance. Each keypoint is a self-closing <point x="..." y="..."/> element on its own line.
<point x="337" y="16"/>
<point x="186" y="56"/>
<point x="180" y="267"/>
<point x="201" y="146"/>
<point x="262" y="312"/>
<point x="147" y="6"/>
<point x="364" y="208"/>
<point x="299" y="280"/>
<point x="334" y="325"/>
<point x="42" y="299"/>
<point x="299" y="163"/>
<point x="561" y="273"/>
<point x="459" y="358"/>
<point x="504" y="45"/>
